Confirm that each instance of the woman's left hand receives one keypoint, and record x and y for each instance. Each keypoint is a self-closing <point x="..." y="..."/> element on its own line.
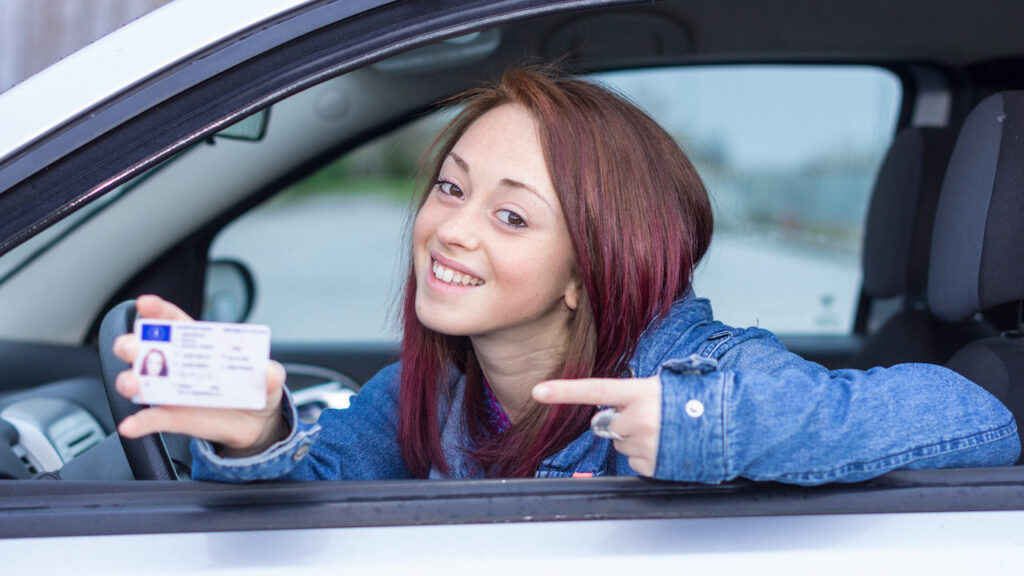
<point x="638" y="401"/>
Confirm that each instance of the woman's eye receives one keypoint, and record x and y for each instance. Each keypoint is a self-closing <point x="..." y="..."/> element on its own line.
<point x="511" y="218"/>
<point x="449" y="188"/>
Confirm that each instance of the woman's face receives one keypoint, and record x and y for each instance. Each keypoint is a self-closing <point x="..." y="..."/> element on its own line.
<point x="491" y="250"/>
<point x="154" y="364"/>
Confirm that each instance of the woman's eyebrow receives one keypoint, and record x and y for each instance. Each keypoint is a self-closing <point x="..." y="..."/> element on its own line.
<point x="458" y="160"/>
<point x="506" y="182"/>
<point x="510" y="183"/>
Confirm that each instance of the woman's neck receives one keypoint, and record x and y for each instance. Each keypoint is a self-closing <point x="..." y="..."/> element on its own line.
<point x="513" y="368"/>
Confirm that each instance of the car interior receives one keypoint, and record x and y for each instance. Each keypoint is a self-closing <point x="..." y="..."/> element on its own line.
<point x="924" y="252"/>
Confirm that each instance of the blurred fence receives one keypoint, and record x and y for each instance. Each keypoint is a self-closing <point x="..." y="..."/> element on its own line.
<point x="37" y="33"/>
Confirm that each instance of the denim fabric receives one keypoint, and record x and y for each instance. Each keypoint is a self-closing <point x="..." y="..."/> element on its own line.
<point x="735" y="403"/>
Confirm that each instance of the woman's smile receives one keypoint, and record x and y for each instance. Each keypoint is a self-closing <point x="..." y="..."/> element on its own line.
<point x="449" y="276"/>
<point x="452" y="273"/>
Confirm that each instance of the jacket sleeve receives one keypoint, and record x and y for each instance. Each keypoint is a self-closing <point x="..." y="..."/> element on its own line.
<point x="755" y="410"/>
<point x="357" y="443"/>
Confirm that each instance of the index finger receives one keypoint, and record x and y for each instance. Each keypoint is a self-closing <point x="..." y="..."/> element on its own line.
<point x="596" y="391"/>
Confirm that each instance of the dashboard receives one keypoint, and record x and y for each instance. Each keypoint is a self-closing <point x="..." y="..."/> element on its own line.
<point x="49" y="426"/>
<point x="64" y="429"/>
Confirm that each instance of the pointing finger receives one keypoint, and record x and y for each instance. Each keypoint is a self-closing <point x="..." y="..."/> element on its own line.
<point x="596" y="391"/>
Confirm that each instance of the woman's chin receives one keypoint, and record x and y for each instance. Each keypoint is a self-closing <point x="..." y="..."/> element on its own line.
<point x="447" y="322"/>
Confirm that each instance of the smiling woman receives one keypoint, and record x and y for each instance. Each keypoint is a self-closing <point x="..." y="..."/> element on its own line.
<point x="557" y="239"/>
<point x="578" y="278"/>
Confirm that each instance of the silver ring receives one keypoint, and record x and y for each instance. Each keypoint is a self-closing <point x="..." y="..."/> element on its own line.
<point x="601" y="424"/>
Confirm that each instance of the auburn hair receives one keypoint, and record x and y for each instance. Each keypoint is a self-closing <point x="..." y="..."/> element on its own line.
<point x="639" y="219"/>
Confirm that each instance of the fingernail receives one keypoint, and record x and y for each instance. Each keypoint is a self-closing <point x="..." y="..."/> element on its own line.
<point x="542" y="392"/>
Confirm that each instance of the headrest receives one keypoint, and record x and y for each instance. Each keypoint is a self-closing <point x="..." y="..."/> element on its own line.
<point x="898" y="234"/>
<point x="977" y="259"/>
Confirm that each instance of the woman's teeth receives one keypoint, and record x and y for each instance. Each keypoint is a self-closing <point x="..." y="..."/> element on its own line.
<point x="452" y="277"/>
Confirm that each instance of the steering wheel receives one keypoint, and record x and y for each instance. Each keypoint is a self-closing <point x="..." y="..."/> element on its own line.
<point x="148" y="456"/>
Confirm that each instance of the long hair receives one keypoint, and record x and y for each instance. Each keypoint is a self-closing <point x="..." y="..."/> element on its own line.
<point x="639" y="219"/>
<point x="163" y="363"/>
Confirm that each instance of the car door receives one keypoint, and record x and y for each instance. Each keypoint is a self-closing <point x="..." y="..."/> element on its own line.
<point x="917" y="520"/>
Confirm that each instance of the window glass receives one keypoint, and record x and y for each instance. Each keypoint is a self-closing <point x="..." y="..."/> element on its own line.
<point x="327" y="255"/>
<point x="788" y="154"/>
<point x="27" y="251"/>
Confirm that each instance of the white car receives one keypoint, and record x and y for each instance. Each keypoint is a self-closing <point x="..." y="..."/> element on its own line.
<point x="252" y="160"/>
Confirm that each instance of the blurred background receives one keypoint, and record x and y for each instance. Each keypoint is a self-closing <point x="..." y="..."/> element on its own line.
<point x="788" y="154"/>
<point x="37" y="33"/>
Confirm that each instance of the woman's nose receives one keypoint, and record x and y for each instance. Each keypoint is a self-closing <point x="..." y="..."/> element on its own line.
<point x="460" y="228"/>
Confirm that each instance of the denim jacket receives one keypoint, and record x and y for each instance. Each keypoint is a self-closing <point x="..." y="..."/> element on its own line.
<point x="735" y="403"/>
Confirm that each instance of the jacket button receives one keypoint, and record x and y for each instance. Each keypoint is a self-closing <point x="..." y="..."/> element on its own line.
<point x="694" y="409"/>
<point x="300" y="452"/>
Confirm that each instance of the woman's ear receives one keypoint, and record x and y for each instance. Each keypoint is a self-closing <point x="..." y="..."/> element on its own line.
<point x="572" y="294"/>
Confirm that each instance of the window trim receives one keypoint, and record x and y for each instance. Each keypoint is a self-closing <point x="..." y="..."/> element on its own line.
<point x="46" y="509"/>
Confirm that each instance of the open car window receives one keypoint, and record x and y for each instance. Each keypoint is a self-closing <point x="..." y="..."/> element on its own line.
<point x="327" y="254"/>
<point x="788" y="154"/>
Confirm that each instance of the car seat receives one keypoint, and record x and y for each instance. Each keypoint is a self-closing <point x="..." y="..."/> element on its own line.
<point x="897" y="243"/>
<point x="978" y="243"/>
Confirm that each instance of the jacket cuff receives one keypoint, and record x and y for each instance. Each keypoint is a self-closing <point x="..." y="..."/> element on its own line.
<point x="692" y="444"/>
<point x="274" y="462"/>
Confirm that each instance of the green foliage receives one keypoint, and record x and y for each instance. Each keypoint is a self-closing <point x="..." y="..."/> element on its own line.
<point x="349" y="177"/>
<point x="387" y="166"/>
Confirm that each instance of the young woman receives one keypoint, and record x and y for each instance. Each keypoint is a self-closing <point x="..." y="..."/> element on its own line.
<point x="552" y="257"/>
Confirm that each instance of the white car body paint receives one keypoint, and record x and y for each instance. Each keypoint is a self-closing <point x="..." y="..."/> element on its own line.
<point x="926" y="543"/>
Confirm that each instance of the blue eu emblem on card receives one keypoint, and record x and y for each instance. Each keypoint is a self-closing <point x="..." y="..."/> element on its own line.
<point x="156" y="332"/>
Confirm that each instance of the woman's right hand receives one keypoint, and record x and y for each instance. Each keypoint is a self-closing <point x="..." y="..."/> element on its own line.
<point x="238" y="432"/>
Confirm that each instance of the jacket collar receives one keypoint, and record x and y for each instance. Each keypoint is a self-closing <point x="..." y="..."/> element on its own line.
<point x="664" y="335"/>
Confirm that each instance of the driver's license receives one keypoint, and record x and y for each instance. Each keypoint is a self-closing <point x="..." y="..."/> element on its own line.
<point x="211" y="364"/>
